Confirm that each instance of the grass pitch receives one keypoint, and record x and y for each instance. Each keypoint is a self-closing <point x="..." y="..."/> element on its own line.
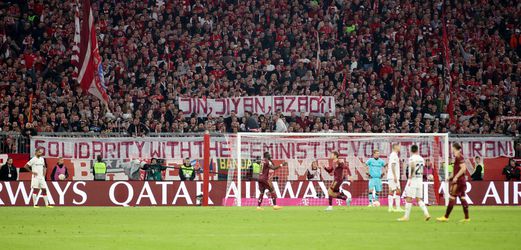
<point x="245" y="228"/>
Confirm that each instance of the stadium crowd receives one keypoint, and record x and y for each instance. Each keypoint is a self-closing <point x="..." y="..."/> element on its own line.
<point x="388" y="52"/>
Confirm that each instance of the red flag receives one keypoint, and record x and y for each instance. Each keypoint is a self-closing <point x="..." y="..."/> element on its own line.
<point x="318" y="52"/>
<point x="90" y="75"/>
<point x="446" y="73"/>
<point x="75" y="57"/>
<point x="30" y="118"/>
<point x="344" y="81"/>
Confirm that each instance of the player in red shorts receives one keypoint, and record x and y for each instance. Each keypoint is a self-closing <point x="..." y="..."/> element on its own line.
<point x="458" y="184"/>
<point x="338" y="171"/>
<point x="265" y="182"/>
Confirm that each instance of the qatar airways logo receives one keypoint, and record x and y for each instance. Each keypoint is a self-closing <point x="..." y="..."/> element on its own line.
<point x="146" y="192"/>
<point x="119" y="193"/>
<point x="504" y="197"/>
<point x="490" y="192"/>
<point x="477" y="193"/>
<point x="289" y="189"/>
<point x="16" y="191"/>
<point x="169" y="193"/>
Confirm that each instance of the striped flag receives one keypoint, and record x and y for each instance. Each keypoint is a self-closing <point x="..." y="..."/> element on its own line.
<point x="90" y="75"/>
<point x="75" y="57"/>
<point x="446" y="71"/>
<point x="318" y="52"/>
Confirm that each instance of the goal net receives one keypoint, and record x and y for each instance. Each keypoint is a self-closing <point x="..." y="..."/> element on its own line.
<point x="304" y="181"/>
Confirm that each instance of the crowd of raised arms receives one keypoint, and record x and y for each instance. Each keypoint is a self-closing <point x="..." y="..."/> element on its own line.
<point x="388" y="52"/>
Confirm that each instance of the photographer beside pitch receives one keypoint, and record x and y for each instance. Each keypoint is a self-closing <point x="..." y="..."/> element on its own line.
<point x="313" y="173"/>
<point x="154" y="170"/>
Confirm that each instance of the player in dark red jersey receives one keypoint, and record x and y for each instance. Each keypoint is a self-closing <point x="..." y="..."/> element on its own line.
<point x="458" y="184"/>
<point x="337" y="167"/>
<point x="265" y="183"/>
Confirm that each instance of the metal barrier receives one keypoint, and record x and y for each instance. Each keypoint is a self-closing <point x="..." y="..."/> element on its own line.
<point x="12" y="142"/>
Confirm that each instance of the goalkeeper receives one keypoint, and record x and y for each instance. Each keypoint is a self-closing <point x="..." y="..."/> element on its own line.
<point x="375" y="166"/>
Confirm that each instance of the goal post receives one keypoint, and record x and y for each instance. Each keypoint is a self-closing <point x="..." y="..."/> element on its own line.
<point x="301" y="150"/>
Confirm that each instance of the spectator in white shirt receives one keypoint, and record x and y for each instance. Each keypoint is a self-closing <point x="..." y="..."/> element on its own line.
<point x="280" y="126"/>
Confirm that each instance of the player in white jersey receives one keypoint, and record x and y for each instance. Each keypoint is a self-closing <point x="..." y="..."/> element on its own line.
<point x="393" y="179"/>
<point x="414" y="187"/>
<point x="38" y="168"/>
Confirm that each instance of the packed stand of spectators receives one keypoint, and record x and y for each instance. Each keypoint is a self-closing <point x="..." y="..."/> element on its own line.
<point x="156" y="51"/>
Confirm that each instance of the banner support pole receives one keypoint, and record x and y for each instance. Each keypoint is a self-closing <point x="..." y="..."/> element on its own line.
<point x="206" y="168"/>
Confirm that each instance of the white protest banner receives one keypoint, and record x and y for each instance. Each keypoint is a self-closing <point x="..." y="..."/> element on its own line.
<point x="316" y="105"/>
<point x="221" y="147"/>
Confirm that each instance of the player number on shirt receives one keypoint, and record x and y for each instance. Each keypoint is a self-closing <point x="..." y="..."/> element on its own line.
<point x="419" y="167"/>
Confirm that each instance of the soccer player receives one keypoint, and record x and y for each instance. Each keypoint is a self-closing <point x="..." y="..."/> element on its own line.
<point x="375" y="166"/>
<point x="265" y="182"/>
<point x="37" y="166"/>
<point x="338" y="172"/>
<point x="393" y="179"/>
<point x="458" y="184"/>
<point x="414" y="187"/>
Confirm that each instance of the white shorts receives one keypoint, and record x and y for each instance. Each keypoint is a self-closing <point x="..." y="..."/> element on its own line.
<point x="413" y="190"/>
<point x="393" y="185"/>
<point x="38" y="182"/>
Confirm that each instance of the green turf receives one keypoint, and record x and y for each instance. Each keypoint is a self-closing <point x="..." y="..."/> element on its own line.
<point x="245" y="228"/>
